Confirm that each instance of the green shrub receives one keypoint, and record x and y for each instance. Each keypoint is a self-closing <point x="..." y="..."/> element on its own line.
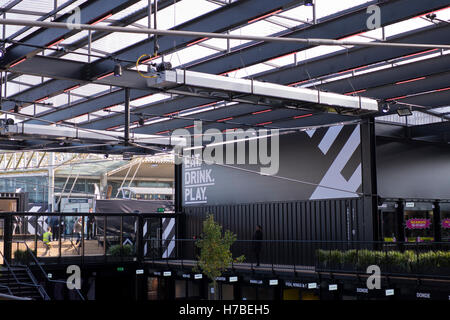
<point x="330" y="258"/>
<point x="322" y="256"/>
<point x="121" y="251"/>
<point x="401" y="261"/>
<point x="335" y="257"/>
<point x="369" y="257"/>
<point x="350" y="256"/>
<point x="444" y="258"/>
<point x="427" y="260"/>
<point x="22" y="256"/>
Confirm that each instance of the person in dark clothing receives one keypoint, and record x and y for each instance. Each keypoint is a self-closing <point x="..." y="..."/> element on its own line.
<point x="54" y="222"/>
<point x="90" y="224"/>
<point x="257" y="243"/>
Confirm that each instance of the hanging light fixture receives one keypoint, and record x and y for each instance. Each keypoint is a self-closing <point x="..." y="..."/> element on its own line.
<point x="404" y="111"/>
<point x="118" y="70"/>
<point x="386" y="108"/>
<point x="309" y="3"/>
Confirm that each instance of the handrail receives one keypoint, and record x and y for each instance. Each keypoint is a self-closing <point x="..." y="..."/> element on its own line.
<point x="13" y="297"/>
<point x="297" y="253"/>
<point x="38" y="286"/>
<point x="7" y="288"/>
<point x="326" y="241"/>
<point x="42" y="291"/>
<point x="43" y="271"/>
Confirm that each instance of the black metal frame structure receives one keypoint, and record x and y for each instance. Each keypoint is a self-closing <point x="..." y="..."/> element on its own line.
<point x="378" y="84"/>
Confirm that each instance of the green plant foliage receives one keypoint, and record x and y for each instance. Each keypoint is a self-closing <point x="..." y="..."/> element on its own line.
<point x="121" y="251"/>
<point x="350" y="256"/>
<point x="400" y="261"/>
<point x="335" y="257"/>
<point x="215" y="255"/>
<point x="22" y="256"/>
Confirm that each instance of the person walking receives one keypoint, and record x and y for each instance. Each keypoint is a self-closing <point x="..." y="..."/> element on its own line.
<point x="77" y="230"/>
<point x="90" y="224"/>
<point x="46" y="238"/>
<point x="257" y="243"/>
<point x="54" y="222"/>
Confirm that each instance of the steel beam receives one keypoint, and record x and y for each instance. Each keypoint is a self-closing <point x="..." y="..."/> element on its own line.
<point x="327" y="28"/>
<point x="405" y="75"/>
<point x="185" y="81"/>
<point x="335" y="27"/>
<point x="90" y="11"/>
<point x="210" y="35"/>
<point x="77" y="109"/>
<point x="316" y="68"/>
<point x="220" y="20"/>
<point x="135" y="16"/>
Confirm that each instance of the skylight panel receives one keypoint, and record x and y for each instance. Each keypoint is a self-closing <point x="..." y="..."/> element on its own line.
<point x="180" y="12"/>
<point x="14" y="88"/>
<point x="250" y="70"/>
<point x="31" y="80"/>
<point x="79" y="119"/>
<point x="405" y="26"/>
<point x="35" y="5"/>
<point x="283" y="60"/>
<point x="150" y="99"/>
<point x="325" y="8"/>
<point x="299" y="13"/>
<point x="131" y="9"/>
<point x="395" y="118"/>
<point x="441" y="110"/>
<point x="71" y="7"/>
<point x="189" y="54"/>
<point x="117" y="41"/>
<point x="58" y="100"/>
<point x="76" y="37"/>
<point x="91" y="89"/>
<point x="420" y="118"/>
<point x="218" y="43"/>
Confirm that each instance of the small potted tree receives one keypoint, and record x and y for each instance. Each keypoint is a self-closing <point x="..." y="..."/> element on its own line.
<point x="215" y="254"/>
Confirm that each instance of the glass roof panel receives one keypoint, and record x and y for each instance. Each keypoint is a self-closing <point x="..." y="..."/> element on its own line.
<point x="93" y="167"/>
<point x="91" y="89"/>
<point x="150" y="99"/>
<point x="441" y="110"/>
<point x="116" y="41"/>
<point x="181" y="12"/>
<point x="325" y="8"/>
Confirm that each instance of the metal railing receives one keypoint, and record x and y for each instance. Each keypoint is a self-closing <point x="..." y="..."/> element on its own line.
<point x="40" y="289"/>
<point x="47" y="279"/>
<point x="7" y="288"/>
<point x="113" y="229"/>
<point x="101" y="238"/>
<point x="421" y="258"/>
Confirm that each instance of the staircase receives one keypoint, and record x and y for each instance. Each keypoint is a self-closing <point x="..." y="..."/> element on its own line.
<point x="19" y="282"/>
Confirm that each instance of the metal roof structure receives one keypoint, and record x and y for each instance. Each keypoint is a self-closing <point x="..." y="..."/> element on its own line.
<point x="53" y="76"/>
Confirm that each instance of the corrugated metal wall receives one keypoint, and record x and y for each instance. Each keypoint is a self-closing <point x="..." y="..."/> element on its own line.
<point x="335" y="219"/>
<point x="319" y="220"/>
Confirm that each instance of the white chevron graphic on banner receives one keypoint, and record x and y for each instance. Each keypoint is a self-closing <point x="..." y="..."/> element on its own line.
<point x="311" y="132"/>
<point x="334" y="179"/>
<point x="329" y="138"/>
<point x="165" y="237"/>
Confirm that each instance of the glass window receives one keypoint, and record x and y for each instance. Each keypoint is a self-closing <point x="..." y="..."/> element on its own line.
<point x="418" y="223"/>
<point x="180" y="288"/>
<point x="445" y="222"/>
